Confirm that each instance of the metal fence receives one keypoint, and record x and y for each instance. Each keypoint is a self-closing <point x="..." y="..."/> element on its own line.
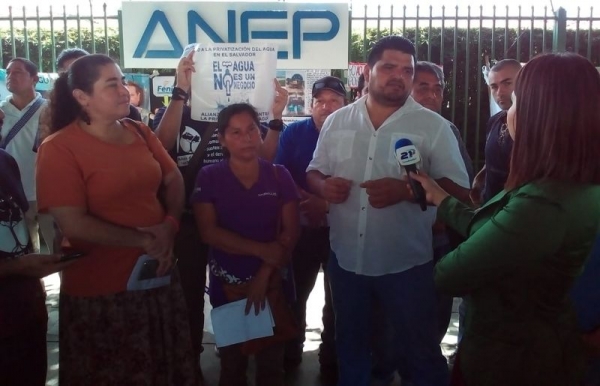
<point x="40" y="38"/>
<point x="461" y="40"/>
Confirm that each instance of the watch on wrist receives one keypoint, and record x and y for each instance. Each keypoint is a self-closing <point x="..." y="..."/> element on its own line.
<point x="179" y="94"/>
<point x="276" y="124"/>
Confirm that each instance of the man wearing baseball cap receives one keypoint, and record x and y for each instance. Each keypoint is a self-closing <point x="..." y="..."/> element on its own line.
<point x="296" y="147"/>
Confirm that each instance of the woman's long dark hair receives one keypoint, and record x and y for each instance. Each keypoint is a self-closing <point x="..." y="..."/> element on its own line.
<point x="83" y="73"/>
<point x="557" y="131"/>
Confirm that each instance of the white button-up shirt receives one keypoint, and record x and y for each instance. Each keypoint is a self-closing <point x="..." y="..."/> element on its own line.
<point x="372" y="241"/>
<point x="21" y="146"/>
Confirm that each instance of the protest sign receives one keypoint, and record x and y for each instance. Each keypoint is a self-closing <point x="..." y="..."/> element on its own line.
<point x="233" y="73"/>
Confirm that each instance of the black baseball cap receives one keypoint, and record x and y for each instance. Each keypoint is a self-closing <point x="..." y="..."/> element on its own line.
<point x="330" y="83"/>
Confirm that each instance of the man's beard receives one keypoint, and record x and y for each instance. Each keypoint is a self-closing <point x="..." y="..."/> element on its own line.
<point x="396" y="98"/>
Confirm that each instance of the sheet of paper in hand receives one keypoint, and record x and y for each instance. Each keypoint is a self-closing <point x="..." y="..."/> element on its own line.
<point x="228" y="73"/>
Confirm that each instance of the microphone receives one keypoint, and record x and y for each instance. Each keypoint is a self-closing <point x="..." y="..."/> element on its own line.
<point x="408" y="157"/>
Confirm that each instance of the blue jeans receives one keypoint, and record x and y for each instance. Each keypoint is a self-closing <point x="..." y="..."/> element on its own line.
<point x="408" y="300"/>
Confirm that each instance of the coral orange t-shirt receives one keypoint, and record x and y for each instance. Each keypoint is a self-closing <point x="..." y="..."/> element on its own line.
<point x="116" y="183"/>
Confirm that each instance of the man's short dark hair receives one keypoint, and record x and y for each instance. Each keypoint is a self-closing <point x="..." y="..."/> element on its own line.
<point x="69" y="54"/>
<point x="30" y="67"/>
<point x="393" y="42"/>
<point x="430" y="68"/>
<point x="506" y="63"/>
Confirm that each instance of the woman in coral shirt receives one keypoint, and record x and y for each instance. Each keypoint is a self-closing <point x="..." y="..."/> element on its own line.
<point x="122" y="313"/>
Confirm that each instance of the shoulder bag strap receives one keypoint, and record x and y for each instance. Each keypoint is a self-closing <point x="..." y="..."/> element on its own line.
<point x="21" y="122"/>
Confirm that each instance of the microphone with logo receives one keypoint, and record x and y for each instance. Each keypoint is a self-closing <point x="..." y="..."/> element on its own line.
<point x="408" y="157"/>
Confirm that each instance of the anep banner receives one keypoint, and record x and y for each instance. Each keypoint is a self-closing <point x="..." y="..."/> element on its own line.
<point x="233" y="73"/>
<point x="309" y="36"/>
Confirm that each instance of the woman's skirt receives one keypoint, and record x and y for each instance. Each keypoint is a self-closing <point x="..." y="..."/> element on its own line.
<point x="130" y="338"/>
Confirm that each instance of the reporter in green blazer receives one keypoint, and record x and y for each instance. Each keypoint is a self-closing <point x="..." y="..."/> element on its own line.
<point x="528" y="244"/>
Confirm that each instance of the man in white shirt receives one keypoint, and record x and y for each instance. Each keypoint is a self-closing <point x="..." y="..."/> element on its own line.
<point x="380" y="239"/>
<point x="19" y="136"/>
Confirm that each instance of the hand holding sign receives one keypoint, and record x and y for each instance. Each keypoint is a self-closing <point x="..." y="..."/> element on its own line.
<point x="185" y="68"/>
<point x="280" y="101"/>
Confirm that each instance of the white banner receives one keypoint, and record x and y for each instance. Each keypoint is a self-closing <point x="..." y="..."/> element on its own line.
<point x="307" y="35"/>
<point x="233" y="73"/>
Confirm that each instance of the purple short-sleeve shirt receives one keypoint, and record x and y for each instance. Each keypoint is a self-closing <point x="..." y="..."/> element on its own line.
<point x="250" y="213"/>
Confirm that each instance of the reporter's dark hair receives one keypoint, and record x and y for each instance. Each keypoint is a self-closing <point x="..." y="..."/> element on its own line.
<point x="557" y="130"/>
<point x="64" y="108"/>
<point x="393" y="42"/>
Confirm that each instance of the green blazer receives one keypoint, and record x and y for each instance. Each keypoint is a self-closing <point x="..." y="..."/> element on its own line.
<point x="523" y="252"/>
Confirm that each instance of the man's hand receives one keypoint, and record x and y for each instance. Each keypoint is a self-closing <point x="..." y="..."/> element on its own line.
<point x="386" y="192"/>
<point x="335" y="189"/>
<point x="280" y="101"/>
<point x="314" y="208"/>
<point x="184" y="72"/>
<point x="37" y="265"/>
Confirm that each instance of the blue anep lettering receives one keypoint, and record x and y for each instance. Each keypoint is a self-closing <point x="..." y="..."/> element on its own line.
<point x="194" y="20"/>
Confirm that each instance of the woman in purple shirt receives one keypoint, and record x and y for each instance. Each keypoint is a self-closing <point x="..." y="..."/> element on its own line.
<point x="247" y="212"/>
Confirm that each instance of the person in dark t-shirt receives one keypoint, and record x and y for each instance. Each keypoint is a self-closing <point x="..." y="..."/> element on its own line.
<point x="498" y="146"/>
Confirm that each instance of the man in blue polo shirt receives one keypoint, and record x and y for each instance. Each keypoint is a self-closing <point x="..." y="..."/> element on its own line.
<point x="296" y="147"/>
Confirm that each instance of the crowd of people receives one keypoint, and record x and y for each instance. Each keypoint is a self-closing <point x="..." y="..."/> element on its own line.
<point x="137" y="219"/>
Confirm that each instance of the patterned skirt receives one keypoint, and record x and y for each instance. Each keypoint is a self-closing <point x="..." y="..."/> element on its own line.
<point x="131" y="338"/>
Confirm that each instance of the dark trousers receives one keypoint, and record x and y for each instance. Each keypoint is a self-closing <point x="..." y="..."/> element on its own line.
<point x="23" y="358"/>
<point x="234" y="365"/>
<point x="387" y="352"/>
<point x="192" y="255"/>
<point x="408" y="301"/>
<point x="311" y="253"/>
